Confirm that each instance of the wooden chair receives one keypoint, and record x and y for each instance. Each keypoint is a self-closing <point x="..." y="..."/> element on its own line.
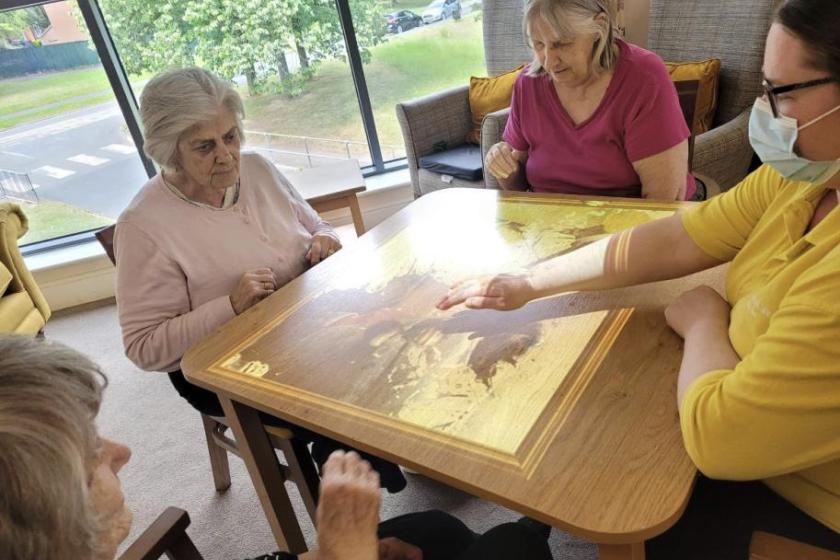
<point x="765" y="546"/>
<point x="298" y="468"/>
<point x="167" y="535"/>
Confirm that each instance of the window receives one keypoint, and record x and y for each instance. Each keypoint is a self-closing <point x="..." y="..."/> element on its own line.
<point x="65" y="152"/>
<point x="319" y="79"/>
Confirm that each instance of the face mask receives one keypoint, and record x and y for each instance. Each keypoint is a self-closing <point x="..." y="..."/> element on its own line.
<point x="773" y="139"/>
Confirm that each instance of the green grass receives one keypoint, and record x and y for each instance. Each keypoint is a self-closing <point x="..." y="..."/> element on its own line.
<point x="407" y="66"/>
<point x="49" y="219"/>
<point x="32" y="98"/>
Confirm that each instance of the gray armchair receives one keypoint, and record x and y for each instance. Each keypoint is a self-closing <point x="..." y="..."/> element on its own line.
<point x="445" y="117"/>
<point x="734" y="32"/>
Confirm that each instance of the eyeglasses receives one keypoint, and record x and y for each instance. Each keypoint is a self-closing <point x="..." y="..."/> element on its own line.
<point x="773" y="91"/>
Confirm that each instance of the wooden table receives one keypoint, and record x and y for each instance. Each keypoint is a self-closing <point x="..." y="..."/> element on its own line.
<point x="330" y="187"/>
<point x="564" y="410"/>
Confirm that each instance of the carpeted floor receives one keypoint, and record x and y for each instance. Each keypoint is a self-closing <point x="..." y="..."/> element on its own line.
<point x="170" y="464"/>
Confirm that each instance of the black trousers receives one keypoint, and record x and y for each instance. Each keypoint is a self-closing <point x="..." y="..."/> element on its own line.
<point x="721" y="517"/>
<point x="443" y="537"/>
<point x="206" y="402"/>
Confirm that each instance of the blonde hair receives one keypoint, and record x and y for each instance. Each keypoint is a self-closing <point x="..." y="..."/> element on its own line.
<point x="175" y="101"/>
<point x="570" y="18"/>
<point x="49" y="397"/>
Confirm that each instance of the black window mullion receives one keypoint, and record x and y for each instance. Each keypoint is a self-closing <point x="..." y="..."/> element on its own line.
<point x="358" y="73"/>
<point x="117" y="76"/>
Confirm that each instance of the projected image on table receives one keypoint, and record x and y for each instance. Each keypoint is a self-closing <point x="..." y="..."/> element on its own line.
<point x="375" y="340"/>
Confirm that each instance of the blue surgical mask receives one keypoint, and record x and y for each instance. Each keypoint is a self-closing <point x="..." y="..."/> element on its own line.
<point x="774" y="139"/>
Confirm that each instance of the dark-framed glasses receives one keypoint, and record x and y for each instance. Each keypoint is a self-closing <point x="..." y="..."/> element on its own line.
<point x="772" y="91"/>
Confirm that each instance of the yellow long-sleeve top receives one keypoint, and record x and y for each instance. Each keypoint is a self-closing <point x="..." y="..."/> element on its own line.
<point x="776" y="415"/>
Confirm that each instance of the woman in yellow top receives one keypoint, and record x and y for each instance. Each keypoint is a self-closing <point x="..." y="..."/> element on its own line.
<point x="759" y="384"/>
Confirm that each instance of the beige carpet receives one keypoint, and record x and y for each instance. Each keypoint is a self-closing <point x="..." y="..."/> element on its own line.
<point x="170" y="465"/>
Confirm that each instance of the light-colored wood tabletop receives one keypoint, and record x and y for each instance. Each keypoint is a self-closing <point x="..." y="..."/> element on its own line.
<point x="564" y="410"/>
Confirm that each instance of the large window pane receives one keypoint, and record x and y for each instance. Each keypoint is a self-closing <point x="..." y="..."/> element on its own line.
<point x="431" y="46"/>
<point x="65" y="151"/>
<point x="287" y="58"/>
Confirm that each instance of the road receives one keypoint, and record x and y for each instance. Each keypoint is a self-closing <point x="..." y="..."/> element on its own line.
<point x="85" y="158"/>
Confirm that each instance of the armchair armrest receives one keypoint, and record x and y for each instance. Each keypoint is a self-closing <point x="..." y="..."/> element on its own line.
<point x="723" y="154"/>
<point x="442" y="117"/>
<point x="166" y="535"/>
<point x="492" y="128"/>
<point x="13" y="225"/>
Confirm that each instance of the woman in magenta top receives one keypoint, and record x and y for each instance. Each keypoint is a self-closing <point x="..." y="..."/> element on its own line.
<point x="592" y="114"/>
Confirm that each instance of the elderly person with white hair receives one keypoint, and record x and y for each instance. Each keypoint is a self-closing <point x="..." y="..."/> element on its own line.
<point x="212" y="234"/>
<point x="61" y="496"/>
<point x="592" y="114"/>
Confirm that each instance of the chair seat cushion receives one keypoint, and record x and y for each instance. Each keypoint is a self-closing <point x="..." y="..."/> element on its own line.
<point x="18" y="314"/>
<point x="463" y="162"/>
<point x="5" y="278"/>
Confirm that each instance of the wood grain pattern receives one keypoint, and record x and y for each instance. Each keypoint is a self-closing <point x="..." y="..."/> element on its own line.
<point x="585" y="436"/>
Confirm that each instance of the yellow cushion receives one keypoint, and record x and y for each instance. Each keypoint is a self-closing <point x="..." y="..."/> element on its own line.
<point x="706" y="73"/>
<point x="488" y="95"/>
<point x="5" y="278"/>
<point x="18" y="314"/>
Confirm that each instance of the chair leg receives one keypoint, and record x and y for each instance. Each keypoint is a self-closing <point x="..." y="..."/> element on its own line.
<point x="218" y="456"/>
<point x="303" y="472"/>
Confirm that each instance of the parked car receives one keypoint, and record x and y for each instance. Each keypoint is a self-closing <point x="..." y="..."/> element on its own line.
<point x="442" y="9"/>
<point x="402" y="21"/>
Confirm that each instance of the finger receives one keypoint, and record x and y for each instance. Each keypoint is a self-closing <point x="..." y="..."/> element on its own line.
<point x="483" y="302"/>
<point x="508" y="160"/>
<point x="498" y="170"/>
<point x="450" y="300"/>
<point x="334" y="463"/>
<point x="260" y="271"/>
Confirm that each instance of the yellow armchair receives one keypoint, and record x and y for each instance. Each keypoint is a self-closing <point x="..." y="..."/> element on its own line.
<point x="23" y="309"/>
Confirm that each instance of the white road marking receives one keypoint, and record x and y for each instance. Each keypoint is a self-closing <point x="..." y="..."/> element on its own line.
<point x="88" y="160"/>
<point x="17" y="154"/>
<point x="54" y="128"/>
<point x="54" y="172"/>
<point x="120" y="148"/>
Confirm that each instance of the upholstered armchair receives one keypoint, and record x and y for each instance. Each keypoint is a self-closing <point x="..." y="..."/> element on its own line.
<point x="734" y="32"/>
<point x="23" y="308"/>
<point x="444" y="118"/>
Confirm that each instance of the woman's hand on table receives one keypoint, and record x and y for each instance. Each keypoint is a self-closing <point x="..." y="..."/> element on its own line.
<point x="322" y="246"/>
<point x="502" y="160"/>
<point x="503" y="292"/>
<point x="701" y="307"/>
<point x="348" y="509"/>
<point x="254" y="286"/>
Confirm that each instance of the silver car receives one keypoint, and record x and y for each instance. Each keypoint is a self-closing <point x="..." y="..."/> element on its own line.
<point x="442" y="9"/>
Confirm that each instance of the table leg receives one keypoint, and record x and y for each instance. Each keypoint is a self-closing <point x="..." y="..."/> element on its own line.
<point x="356" y="212"/>
<point x="260" y="459"/>
<point x="635" y="551"/>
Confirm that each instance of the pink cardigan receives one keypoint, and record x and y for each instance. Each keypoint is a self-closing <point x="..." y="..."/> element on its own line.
<point x="178" y="263"/>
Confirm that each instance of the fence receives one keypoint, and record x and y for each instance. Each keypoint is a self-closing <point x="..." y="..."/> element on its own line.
<point x="49" y="58"/>
<point x="17" y="186"/>
<point x="306" y="151"/>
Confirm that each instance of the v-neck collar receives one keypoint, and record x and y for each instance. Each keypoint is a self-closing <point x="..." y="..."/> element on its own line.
<point x="618" y="74"/>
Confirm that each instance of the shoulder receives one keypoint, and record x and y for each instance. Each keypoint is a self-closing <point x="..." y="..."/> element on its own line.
<point x="254" y="161"/>
<point x="528" y="85"/>
<point x="146" y="203"/>
<point x="641" y="65"/>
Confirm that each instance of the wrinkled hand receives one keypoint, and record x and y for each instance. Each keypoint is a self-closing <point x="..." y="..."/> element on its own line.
<point x="348" y="510"/>
<point x="254" y="286"/>
<point x="393" y="548"/>
<point x="695" y="308"/>
<point x="503" y="291"/>
<point x="322" y="246"/>
<point x="502" y="160"/>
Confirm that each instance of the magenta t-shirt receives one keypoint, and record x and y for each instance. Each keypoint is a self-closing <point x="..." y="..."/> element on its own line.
<point x="638" y="117"/>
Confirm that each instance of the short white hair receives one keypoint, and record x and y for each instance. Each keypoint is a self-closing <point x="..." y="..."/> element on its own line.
<point x="49" y="398"/>
<point x="570" y="18"/>
<point x="177" y="100"/>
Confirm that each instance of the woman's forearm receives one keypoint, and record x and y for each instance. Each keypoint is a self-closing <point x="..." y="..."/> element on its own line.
<point x="659" y="250"/>
<point x="707" y="348"/>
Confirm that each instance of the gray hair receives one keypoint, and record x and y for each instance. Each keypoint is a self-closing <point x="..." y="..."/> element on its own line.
<point x="570" y="18"/>
<point x="175" y="101"/>
<point x="49" y="397"/>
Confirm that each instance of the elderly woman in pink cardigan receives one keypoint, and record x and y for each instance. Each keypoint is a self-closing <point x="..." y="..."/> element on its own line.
<point x="212" y="234"/>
